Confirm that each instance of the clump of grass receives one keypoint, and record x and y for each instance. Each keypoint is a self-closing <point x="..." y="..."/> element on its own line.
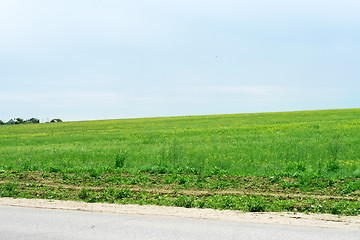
<point x="185" y="201"/>
<point x="334" y="147"/>
<point x="120" y="160"/>
<point x="256" y="204"/>
<point x="84" y="194"/>
<point x="9" y="190"/>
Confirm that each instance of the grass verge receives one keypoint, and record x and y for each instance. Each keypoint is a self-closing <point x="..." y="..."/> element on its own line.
<point x="307" y="194"/>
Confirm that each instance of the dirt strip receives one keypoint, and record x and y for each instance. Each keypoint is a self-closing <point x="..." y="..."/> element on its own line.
<point x="298" y="219"/>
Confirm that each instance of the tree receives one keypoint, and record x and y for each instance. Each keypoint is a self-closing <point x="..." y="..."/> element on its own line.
<point x="19" y="121"/>
<point x="34" y="120"/>
<point x="1" y="122"/>
<point x="56" y="120"/>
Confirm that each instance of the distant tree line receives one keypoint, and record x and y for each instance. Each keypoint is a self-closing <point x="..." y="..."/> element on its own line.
<point x="28" y="121"/>
<point x="56" y="120"/>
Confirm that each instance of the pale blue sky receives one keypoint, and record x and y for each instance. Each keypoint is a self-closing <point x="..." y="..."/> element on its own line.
<point x="83" y="59"/>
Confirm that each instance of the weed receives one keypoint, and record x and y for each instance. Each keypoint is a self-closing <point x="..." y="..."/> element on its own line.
<point x="54" y="169"/>
<point x="94" y="173"/>
<point x="9" y="190"/>
<point x="219" y="185"/>
<point x="84" y="194"/>
<point x="273" y="179"/>
<point x="256" y="204"/>
<point x="218" y="171"/>
<point x="356" y="173"/>
<point x="182" y="180"/>
<point x="120" y="160"/>
<point x="174" y="153"/>
<point x="332" y="165"/>
<point x="334" y="147"/>
<point x="185" y="201"/>
<point x="122" y="193"/>
<point x="349" y="187"/>
<point x="157" y="169"/>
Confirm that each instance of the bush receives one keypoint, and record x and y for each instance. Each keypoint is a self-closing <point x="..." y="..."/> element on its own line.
<point x="84" y="193"/>
<point x="33" y="120"/>
<point x="120" y="161"/>
<point x="19" y="121"/>
<point x="56" y="120"/>
<point x="256" y="204"/>
<point x="184" y="201"/>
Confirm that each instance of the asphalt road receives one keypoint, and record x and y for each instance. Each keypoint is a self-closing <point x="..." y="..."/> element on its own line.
<point x="30" y="223"/>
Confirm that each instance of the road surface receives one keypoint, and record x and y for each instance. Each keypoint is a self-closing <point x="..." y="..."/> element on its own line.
<point x="31" y="223"/>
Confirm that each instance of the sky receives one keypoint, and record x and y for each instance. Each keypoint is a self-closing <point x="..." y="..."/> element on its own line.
<point x="110" y="59"/>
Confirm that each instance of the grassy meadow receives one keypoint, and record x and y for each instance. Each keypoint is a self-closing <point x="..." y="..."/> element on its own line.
<point x="307" y="152"/>
<point x="263" y="144"/>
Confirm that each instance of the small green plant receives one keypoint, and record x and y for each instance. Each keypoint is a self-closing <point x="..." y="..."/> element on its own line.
<point x="349" y="186"/>
<point x="274" y="179"/>
<point x="332" y="165"/>
<point x="185" y="201"/>
<point x="120" y="160"/>
<point x="158" y="169"/>
<point x="95" y="173"/>
<point x="334" y="147"/>
<point x="9" y="190"/>
<point x="356" y="173"/>
<point x="256" y="204"/>
<point x="183" y="180"/>
<point x="122" y="193"/>
<point x="298" y="166"/>
<point x="174" y="153"/>
<point x="84" y="194"/>
<point x="54" y="169"/>
<point x="218" y="171"/>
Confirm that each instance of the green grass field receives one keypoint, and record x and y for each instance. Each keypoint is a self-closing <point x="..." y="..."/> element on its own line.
<point x="187" y="161"/>
<point x="264" y="144"/>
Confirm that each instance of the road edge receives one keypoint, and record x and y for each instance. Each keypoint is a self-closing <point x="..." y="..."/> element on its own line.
<point x="280" y="218"/>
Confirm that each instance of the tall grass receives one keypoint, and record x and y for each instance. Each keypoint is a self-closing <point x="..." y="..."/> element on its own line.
<point x="322" y="142"/>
